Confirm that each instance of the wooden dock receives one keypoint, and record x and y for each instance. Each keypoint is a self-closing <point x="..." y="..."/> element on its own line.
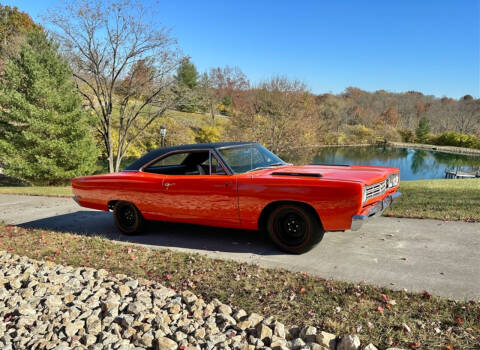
<point x="458" y="174"/>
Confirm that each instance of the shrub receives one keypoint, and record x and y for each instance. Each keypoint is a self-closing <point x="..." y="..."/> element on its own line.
<point x="208" y="134"/>
<point x="407" y="135"/>
<point x="388" y="133"/>
<point x="457" y="139"/>
<point x="359" y="134"/>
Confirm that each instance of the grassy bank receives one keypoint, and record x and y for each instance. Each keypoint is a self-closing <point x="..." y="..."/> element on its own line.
<point x="52" y="191"/>
<point x="439" y="199"/>
<point x="377" y="315"/>
<point x="433" y="199"/>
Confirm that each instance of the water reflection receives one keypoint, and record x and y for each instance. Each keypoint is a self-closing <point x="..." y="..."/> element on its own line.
<point x="414" y="164"/>
<point x="418" y="160"/>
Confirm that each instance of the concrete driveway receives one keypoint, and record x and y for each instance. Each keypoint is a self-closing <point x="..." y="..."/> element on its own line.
<point x="440" y="257"/>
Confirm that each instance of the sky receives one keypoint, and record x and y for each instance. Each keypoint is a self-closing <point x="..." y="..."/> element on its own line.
<point x="431" y="46"/>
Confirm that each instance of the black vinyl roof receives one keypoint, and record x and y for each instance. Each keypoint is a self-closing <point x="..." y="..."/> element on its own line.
<point x="152" y="155"/>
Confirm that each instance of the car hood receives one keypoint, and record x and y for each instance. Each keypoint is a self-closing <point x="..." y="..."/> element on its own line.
<point x="357" y="173"/>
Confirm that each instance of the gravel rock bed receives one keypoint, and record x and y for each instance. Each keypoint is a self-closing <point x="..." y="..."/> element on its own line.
<point x="49" y="306"/>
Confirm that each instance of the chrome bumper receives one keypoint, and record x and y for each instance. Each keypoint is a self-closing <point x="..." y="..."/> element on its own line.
<point x="377" y="210"/>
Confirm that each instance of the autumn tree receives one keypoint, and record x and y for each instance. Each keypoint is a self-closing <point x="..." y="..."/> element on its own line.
<point x="279" y="115"/>
<point x="14" y="26"/>
<point x="123" y="63"/>
<point x="224" y="86"/>
<point x="13" y="23"/>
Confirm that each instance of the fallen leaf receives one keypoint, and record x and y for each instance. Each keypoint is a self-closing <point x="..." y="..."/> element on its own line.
<point x="385" y="297"/>
<point x="459" y="319"/>
<point x="380" y="309"/>
<point x="426" y="294"/>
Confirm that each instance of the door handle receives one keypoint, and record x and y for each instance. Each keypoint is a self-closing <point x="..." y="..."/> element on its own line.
<point x="168" y="184"/>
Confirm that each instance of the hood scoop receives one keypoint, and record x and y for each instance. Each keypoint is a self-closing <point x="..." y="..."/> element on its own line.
<point x="284" y="173"/>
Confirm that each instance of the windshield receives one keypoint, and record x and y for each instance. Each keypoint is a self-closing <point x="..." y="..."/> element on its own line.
<point x="246" y="158"/>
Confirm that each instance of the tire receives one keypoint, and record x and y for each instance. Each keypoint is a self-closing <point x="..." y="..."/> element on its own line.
<point x="294" y="228"/>
<point x="128" y="218"/>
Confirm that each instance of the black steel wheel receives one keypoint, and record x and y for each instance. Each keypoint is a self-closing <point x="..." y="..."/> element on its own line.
<point x="294" y="228"/>
<point x="128" y="218"/>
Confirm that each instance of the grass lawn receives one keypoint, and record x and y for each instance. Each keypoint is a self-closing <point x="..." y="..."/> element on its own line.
<point x="53" y="191"/>
<point x="376" y="314"/>
<point x="439" y="199"/>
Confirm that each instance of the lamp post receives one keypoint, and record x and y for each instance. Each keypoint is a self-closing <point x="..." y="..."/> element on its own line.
<point x="163" y="132"/>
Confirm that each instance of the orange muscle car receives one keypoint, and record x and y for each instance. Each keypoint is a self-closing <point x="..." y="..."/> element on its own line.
<point x="241" y="185"/>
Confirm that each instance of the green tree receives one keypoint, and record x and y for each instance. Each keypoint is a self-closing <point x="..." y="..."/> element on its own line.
<point x="45" y="136"/>
<point x="187" y="74"/>
<point x="423" y="129"/>
<point x="187" y="88"/>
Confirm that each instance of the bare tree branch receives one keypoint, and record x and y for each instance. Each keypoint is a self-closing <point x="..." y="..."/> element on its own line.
<point x="123" y="63"/>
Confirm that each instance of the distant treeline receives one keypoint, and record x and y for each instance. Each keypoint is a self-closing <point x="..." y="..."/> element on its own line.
<point x="106" y="79"/>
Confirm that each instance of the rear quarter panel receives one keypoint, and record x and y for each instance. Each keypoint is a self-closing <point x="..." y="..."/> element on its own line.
<point x="334" y="201"/>
<point x="142" y="189"/>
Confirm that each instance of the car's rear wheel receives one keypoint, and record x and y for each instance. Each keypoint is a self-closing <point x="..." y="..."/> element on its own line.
<point x="128" y="218"/>
<point x="294" y="228"/>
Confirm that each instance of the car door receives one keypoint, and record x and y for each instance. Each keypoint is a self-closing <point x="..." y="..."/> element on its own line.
<point x="209" y="198"/>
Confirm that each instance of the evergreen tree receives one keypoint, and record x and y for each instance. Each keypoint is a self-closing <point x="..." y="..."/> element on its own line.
<point x="187" y="96"/>
<point x="187" y="74"/>
<point x="45" y="136"/>
<point x="423" y="129"/>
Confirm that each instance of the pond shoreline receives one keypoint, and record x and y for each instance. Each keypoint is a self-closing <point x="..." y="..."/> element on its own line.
<point x="436" y="148"/>
<point x="444" y="149"/>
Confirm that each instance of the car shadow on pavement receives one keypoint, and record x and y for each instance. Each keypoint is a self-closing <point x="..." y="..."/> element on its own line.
<point x="160" y="234"/>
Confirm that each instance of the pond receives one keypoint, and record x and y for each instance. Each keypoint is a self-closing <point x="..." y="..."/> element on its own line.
<point x="414" y="164"/>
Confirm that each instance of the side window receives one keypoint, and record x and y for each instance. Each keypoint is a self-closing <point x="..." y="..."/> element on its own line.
<point x="216" y="167"/>
<point x="174" y="159"/>
<point x="243" y="159"/>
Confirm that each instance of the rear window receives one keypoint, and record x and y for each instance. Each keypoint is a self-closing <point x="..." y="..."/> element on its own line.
<point x="174" y="159"/>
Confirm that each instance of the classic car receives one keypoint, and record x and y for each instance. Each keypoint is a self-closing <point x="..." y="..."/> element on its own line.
<point x="241" y="185"/>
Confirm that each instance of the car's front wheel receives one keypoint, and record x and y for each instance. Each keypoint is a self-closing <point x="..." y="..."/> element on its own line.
<point x="128" y="218"/>
<point x="294" y="228"/>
